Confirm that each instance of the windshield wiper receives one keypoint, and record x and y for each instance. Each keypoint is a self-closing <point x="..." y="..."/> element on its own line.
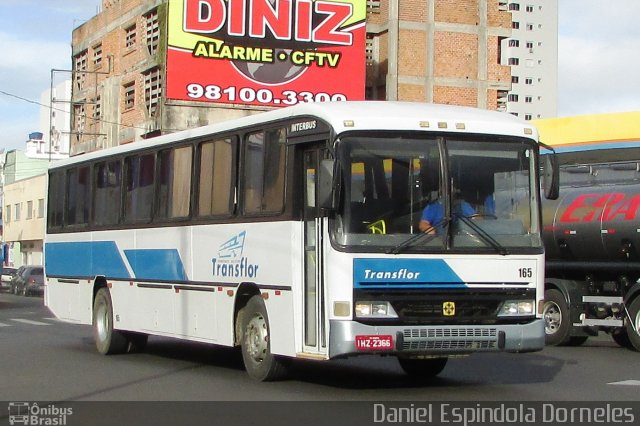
<point x="484" y="235"/>
<point x="414" y="238"/>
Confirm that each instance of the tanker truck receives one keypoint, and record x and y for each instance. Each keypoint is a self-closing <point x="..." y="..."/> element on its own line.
<point x="592" y="242"/>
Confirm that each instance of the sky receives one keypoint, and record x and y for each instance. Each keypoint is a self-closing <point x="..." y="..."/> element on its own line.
<point x="598" y="60"/>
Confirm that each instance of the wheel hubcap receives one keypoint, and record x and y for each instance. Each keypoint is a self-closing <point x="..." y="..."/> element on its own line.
<point x="102" y="322"/>
<point x="257" y="338"/>
<point x="552" y="317"/>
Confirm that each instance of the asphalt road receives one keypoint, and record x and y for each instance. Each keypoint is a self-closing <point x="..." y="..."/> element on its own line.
<point x="43" y="359"/>
<point x="173" y="382"/>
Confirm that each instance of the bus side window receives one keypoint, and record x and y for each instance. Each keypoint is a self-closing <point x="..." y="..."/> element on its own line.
<point x="139" y="172"/>
<point x="56" y="201"/>
<point x="216" y="183"/>
<point x="78" y="196"/>
<point x="174" y="190"/>
<point x="107" y="192"/>
<point x="264" y="172"/>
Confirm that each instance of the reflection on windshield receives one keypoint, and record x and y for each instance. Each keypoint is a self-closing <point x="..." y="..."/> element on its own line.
<point x="395" y="189"/>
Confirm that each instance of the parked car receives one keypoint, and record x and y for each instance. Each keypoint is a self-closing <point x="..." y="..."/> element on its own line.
<point x="7" y="275"/>
<point x="14" y="279"/>
<point x="29" y="280"/>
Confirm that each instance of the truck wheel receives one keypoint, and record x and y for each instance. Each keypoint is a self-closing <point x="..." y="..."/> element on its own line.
<point x="259" y="362"/>
<point x="621" y="337"/>
<point x="556" y="318"/>
<point x="633" y="326"/>
<point x="108" y="340"/>
<point x="423" y="367"/>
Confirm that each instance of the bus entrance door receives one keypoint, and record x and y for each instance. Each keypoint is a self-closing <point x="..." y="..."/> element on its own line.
<point x="314" y="223"/>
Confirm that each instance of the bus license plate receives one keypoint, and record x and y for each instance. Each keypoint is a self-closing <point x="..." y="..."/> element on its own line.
<point x="374" y="343"/>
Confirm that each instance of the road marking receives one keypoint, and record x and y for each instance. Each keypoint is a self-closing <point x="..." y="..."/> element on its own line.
<point x="4" y="325"/>
<point x="30" y="322"/>
<point x="627" y="383"/>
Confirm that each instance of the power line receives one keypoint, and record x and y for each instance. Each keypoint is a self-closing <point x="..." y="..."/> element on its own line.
<point x="12" y="95"/>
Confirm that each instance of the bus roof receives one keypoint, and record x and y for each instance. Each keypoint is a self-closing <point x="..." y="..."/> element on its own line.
<point x="352" y="115"/>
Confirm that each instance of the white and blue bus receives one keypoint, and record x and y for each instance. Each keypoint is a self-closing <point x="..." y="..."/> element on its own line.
<point x="295" y="233"/>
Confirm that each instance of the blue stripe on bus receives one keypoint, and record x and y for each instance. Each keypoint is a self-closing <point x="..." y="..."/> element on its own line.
<point x="404" y="273"/>
<point x="84" y="259"/>
<point x="156" y="264"/>
<point x="91" y="258"/>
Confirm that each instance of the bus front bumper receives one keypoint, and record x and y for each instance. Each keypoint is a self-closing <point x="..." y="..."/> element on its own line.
<point x="348" y="338"/>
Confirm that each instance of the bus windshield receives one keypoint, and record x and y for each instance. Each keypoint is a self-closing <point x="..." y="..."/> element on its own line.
<point x="426" y="193"/>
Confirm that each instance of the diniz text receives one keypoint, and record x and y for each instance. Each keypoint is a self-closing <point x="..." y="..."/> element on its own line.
<point x="602" y="207"/>
<point x="299" y="20"/>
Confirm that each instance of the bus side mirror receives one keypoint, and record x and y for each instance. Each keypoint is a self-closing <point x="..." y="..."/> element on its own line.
<point x="550" y="176"/>
<point x="326" y="199"/>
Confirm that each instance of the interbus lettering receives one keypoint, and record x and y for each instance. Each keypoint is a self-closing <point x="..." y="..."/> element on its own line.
<point x="283" y="20"/>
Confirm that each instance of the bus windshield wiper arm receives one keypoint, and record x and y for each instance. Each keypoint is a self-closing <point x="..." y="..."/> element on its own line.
<point x="414" y="238"/>
<point x="484" y="235"/>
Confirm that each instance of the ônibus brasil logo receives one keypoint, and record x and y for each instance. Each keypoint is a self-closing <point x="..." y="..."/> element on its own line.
<point x="26" y="413"/>
<point x="230" y="262"/>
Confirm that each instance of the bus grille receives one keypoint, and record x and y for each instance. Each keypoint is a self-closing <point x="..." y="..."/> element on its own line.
<point x="467" y="310"/>
<point x="442" y="339"/>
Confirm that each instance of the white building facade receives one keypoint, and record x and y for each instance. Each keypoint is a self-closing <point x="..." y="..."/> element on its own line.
<point x="23" y="221"/>
<point x="52" y="142"/>
<point x="532" y="53"/>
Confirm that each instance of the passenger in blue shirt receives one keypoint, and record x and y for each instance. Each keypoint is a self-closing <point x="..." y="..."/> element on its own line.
<point x="489" y="205"/>
<point x="432" y="215"/>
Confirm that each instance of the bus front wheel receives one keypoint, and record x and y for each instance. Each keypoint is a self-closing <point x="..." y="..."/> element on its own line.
<point x="423" y="368"/>
<point x="259" y="362"/>
<point x="108" y="340"/>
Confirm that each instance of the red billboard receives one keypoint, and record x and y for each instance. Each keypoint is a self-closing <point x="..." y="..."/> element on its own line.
<point x="266" y="52"/>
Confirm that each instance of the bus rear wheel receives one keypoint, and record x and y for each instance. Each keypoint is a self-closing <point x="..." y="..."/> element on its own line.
<point x="137" y="342"/>
<point x="108" y="340"/>
<point x="259" y="362"/>
<point x="423" y="367"/>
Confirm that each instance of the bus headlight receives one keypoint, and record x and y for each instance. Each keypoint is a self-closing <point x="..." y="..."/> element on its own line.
<point x="375" y="310"/>
<point x="516" y="308"/>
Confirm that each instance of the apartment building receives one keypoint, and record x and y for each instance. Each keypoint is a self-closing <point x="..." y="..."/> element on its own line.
<point x="54" y="120"/>
<point x="23" y="220"/>
<point x="440" y="51"/>
<point x="532" y="53"/>
<point x="23" y="185"/>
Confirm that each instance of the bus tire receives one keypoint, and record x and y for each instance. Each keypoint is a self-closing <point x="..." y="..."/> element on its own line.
<point x="137" y="341"/>
<point x="633" y="324"/>
<point x="577" y="340"/>
<point x="423" y="368"/>
<point x="108" y="340"/>
<point x="557" y="325"/>
<point x="255" y="343"/>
